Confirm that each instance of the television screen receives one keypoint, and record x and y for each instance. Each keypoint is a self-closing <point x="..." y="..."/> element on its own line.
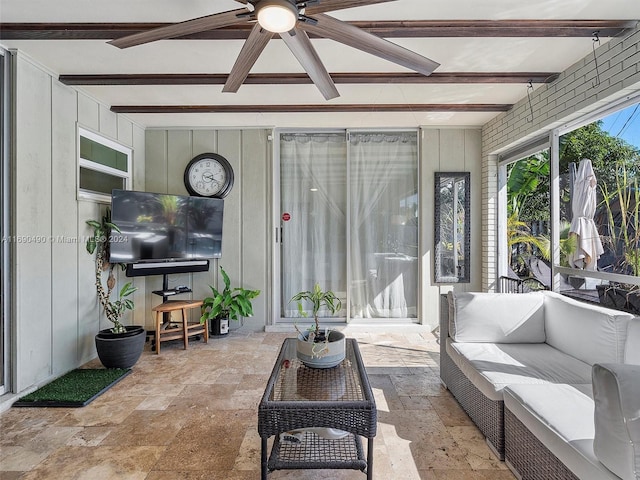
<point x="159" y="226"/>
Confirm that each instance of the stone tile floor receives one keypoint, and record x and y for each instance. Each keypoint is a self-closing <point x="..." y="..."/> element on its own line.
<point x="191" y="415"/>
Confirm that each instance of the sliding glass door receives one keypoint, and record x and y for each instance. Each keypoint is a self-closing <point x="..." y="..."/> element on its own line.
<point x="314" y="218"/>
<point x="5" y="287"/>
<point x="349" y="221"/>
<point x="383" y="225"/>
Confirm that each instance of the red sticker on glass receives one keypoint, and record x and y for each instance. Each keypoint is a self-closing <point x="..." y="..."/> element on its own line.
<point x="286" y="217"/>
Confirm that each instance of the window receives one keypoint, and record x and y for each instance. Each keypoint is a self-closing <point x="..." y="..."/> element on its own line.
<point x="612" y="148"/>
<point x="103" y="165"/>
<point x="601" y="261"/>
<point x="525" y="208"/>
<point x="570" y="205"/>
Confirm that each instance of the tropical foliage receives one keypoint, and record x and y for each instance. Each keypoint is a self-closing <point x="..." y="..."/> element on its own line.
<point x="231" y="303"/>
<point x="605" y="151"/>
<point x="622" y="226"/>
<point x="528" y="189"/>
<point x="98" y="244"/>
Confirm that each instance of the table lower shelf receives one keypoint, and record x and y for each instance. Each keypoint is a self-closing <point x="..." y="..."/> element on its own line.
<point x="174" y="331"/>
<point x="315" y="452"/>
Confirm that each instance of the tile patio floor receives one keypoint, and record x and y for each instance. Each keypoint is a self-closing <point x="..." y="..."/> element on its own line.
<point x="191" y="415"/>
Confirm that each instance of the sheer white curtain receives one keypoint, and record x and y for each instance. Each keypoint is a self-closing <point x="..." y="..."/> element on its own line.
<point x="384" y="224"/>
<point x="313" y="193"/>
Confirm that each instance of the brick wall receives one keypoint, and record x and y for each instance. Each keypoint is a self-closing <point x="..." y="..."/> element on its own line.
<point x="571" y="96"/>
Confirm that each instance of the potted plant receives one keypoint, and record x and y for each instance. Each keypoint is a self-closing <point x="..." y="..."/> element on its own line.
<point x="622" y="207"/>
<point x="319" y="348"/>
<point x="230" y="304"/>
<point x="119" y="346"/>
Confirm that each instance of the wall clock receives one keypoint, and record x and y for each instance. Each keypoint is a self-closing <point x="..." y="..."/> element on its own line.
<point x="208" y="175"/>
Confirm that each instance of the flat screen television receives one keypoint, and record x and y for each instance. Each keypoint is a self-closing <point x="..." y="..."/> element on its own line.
<point x="159" y="229"/>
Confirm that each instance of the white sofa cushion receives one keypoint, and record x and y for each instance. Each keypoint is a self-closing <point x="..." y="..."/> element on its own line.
<point x="632" y="345"/>
<point x="616" y="390"/>
<point x="496" y="317"/>
<point x="561" y="417"/>
<point x="589" y="333"/>
<point x="491" y="367"/>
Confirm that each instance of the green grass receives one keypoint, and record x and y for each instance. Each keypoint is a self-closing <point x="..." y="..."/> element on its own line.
<point x="74" y="389"/>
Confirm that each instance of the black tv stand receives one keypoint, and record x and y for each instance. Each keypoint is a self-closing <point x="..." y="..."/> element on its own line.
<point x="167" y="292"/>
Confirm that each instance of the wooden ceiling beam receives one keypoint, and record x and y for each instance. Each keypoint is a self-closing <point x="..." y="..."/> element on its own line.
<point x="386" y="29"/>
<point x="315" y="108"/>
<point x="303" y="78"/>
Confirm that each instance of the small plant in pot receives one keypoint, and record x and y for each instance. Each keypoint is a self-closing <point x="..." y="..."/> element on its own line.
<point x="229" y="304"/>
<point x="119" y="346"/>
<point x="319" y="348"/>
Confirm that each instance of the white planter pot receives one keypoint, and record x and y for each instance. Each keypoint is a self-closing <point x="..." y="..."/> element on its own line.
<point x="324" y="354"/>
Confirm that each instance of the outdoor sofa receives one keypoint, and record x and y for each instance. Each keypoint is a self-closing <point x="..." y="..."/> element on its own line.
<point x="534" y="370"/>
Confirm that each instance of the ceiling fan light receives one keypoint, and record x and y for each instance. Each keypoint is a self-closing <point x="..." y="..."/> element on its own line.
<point x="277" y="16"/>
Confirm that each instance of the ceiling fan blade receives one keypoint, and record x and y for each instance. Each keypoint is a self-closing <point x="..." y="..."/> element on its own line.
<point x="251" y="50"/>
<point x="320" y="6"/>
<point x="331" y="5"/>
<point x="329" y="27"/>
<point x="300" y="45"/>
<point x="196" y="25"/>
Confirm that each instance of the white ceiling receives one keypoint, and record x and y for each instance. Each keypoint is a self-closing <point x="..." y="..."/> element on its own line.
<point x="217" y="56"/>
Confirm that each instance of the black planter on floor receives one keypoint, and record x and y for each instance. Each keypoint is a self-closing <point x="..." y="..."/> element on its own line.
<point x="120" y="350"/>
<point x="218" y="327"/>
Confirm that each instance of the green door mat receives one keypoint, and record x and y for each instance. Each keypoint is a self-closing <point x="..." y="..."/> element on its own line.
<point x="74" y="389"/>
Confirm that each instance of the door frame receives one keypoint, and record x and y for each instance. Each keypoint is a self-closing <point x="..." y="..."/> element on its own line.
<point x="278" y="320"/>
<point x="285" y="323"/>
<point x="6" y="326"/>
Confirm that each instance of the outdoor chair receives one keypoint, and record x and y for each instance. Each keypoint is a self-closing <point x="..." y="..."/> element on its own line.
<point x="521" y="285"/>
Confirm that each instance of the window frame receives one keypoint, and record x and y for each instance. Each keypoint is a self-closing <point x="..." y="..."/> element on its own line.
<point x="556" y="133"/>
<point x="84" y="194"/>
<point x="505" y="159"/>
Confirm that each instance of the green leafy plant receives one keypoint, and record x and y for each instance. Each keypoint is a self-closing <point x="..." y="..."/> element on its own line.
<point x="623" y="221"/>
<point x="98" y="244"/>
<point x="317" y="297"/>
<point x="528" y="188"/>
<point x="230" y="303"/>
<point x="568" y="244"/>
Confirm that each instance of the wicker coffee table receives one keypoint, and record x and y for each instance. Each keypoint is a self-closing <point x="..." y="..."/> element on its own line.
<point x="298" y="396"/>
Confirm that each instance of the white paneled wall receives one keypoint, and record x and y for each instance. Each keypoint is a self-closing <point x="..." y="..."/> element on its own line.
<point x="447" y="150"/>
<point x="55" y="315"/>
<point x="245" y="240"/>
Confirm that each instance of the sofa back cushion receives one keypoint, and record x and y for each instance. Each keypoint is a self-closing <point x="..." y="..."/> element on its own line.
<point x="496" y="317"/>
<point x="616" y="394"/>
<point x="632" y="345"/>
<point x="587" y="332"/>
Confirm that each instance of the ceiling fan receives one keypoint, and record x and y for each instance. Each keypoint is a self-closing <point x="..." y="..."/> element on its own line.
<point x="292" y="20"/>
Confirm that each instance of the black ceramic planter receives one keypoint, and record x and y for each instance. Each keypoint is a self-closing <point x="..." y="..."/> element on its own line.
<point x="218" y="327"/>
<point x="120" y="350"/>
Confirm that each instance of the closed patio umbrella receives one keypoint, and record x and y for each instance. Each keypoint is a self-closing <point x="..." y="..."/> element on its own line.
<point x="583" y="207"/>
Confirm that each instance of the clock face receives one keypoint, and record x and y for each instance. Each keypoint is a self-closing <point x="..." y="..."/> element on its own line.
<point x="208" y="175"/>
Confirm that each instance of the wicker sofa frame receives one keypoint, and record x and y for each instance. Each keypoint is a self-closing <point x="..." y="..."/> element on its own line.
<point x="525" y="454"/>
<point x="487" y="414"/>
<point x="507" y="436"/>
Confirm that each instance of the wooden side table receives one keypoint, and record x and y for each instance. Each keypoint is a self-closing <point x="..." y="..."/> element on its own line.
<point x="164" y="330"/>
